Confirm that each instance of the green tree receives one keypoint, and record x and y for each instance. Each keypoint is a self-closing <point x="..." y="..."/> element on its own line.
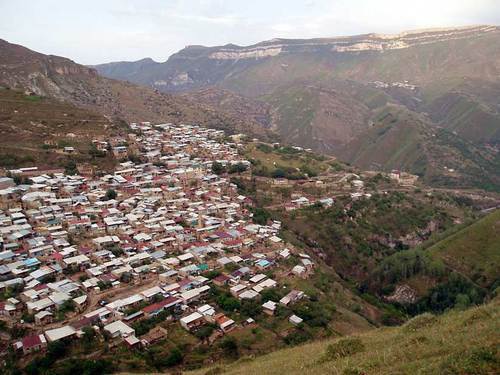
<point x="70" y="168"/>
<point x="218" y="168"/>
<point x="111" y="194"/>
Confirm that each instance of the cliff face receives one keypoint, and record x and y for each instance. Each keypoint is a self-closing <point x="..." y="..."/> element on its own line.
<point x="198" y="67"/>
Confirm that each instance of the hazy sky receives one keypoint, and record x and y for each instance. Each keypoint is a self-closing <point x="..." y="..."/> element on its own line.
<point x="90" y="31"/>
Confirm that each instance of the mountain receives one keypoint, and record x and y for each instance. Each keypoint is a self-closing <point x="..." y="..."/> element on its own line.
<point x="327" y="94"/>
<point x="406" y="140"/>
<point x="459" y="342"/>
<point x="368" y="57"/>
<point x="62" y="79"/>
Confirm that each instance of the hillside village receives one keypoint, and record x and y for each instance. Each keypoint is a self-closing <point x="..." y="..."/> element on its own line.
<point x="169" y="245"/>
<point x="151" y="240"/>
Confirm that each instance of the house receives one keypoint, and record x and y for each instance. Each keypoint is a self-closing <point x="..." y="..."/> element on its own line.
<point x="225" y="324"/>
<point x="43" y="318"/>
<point x="192" y="321"/>
<point x="119" y="329"/>
<point x="295" y="320"/>
<point x="221" y="280"/>
<point x="237" y="289"/>
<point x="132" y="341"/>
<point x="269" y="307"/>
<point x="158" y="307"/>
<point x="60" y="333"/>
<point x="31" y="344"/>
<point x="300" y="271"/>
<point x="292" y="297"/>
<point x="154" y="335"/>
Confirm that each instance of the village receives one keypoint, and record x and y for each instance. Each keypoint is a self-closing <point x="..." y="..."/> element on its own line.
<point x="154" y="239"/>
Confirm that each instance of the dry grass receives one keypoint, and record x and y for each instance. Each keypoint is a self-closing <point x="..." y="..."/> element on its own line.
<point x="455" y="343"/>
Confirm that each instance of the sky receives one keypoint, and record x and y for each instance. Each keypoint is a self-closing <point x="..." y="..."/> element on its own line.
<point x="99" y="31"/>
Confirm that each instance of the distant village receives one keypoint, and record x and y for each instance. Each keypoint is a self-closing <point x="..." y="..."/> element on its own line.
<point x="83" y="253"/>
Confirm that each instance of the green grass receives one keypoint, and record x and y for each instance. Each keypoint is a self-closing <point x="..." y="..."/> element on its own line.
<point x="455" y="343"/>
<point x="473" y="251"/>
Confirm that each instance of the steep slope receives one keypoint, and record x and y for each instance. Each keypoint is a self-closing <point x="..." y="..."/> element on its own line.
<point x="319" y="118"/>
<point x="254" y="111"/>
<point x="474" y="250"/>
<point x="459" y="342"/>
<point x="403" y="140"/>
<point x="456" y="267"/>
<point x="34" y="130"/>
<point x="64" y="80"/>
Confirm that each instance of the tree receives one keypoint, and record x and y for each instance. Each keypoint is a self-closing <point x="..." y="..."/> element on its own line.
<point x="278" y="173"/>
<point x="70" y="168"/>
<point x="174" y="358"/>
<point x="250" y="308"/>
<point x="218" y="168"/>
<point x="88" y="337"/>
<point x="229" y="345"/>
<point x="237" y="168"/>
<point x="228" y="303"/>
<point x="111" y="194"/>
<point x="204" y="332"/>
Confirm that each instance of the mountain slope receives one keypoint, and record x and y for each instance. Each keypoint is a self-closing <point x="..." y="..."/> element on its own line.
<point x="64" y="80"/>
<point x="459" y="93"/>
<point x="473" y="250"/>
<point x="35" y="129"/>
<point x="401" y="139"/>
<point x="459" y="342"/>
<point x="422" y="55"/>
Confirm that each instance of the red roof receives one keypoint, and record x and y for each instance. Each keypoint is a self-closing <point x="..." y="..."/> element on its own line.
<point x="56" y="256"/>
<point x="221" y="278"/>
<point x="166" y="303"/>
<point x="31" y="341"/>
<point x="40" y="287"/>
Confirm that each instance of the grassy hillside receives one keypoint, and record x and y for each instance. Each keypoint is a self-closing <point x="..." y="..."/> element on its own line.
<point x="459" y="342"/>
<point x="35" y="129"/>
<point x="401" y="139"/>
<point x="473" y="251"/>
<point x="317" y="117"/>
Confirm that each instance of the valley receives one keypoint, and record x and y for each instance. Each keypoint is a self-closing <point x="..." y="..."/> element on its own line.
<point x="327" y="94"/>
<point x="325" y="205"/>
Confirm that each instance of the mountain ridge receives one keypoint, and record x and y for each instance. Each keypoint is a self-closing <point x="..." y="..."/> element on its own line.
<point x="64" y="80"/>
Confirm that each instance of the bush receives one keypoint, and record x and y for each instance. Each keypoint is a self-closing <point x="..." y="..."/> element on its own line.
<point x="343" y="348"/>
<point x="478" y="361"/>
<point x="229" y="346"/>
<point x="204" y="332"/>
<point x="418" y="322"/>
<point x="297" y="337"/>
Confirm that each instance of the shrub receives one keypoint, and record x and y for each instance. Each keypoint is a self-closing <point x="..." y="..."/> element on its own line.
<point x="343" y="348"/>
<point x="229" y="346"/>
<point x="418" y="322"/>
<point x="297" y="337"/>
<point x="478" y="361"/>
